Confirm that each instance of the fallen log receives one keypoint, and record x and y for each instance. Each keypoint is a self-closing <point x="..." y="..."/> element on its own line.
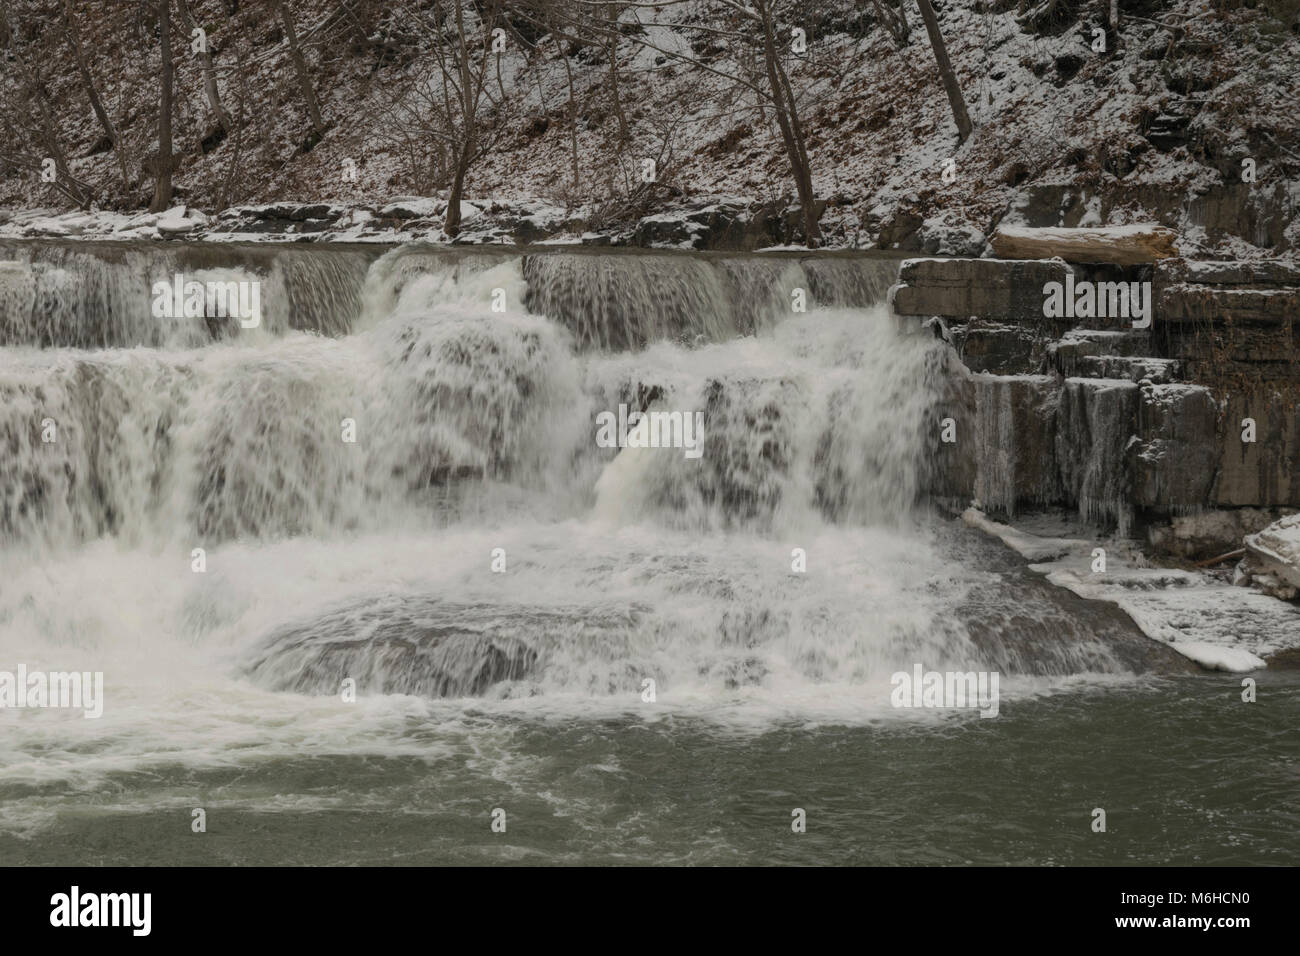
<point x="1117" y="245"/>
<point x="1220" y="559"/>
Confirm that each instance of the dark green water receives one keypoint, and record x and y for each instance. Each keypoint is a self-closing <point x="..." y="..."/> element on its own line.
<point x="1187" y="773"/>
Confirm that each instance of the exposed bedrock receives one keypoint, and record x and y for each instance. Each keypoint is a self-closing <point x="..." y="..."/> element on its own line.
<point x="1255" y="212"/>
<point x="421" y="645"/>
<point x="1136" y="425"/>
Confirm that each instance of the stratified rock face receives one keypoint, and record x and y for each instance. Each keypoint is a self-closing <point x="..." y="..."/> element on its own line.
<point x="1016" y="442"/>
<point x="1232" y="322"/>
<point x="997" y="348"/>
<point x="1273" y="557"/>
<point x="954" y="465"/>
<point x="1197" y="410"/>
<point x="1259" y="458"/>
<point x="1009" y="292"/>
<point x="1175" y="454"/>
<point x="1106" y="446"/>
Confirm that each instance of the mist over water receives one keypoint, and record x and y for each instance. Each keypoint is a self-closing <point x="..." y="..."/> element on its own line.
<point x="475" y="447"/>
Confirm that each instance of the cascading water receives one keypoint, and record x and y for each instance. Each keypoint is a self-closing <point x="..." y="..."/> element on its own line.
<point x="98" y="295"/>
<point x="451" y="430"/>
<point x="409" y="495"/>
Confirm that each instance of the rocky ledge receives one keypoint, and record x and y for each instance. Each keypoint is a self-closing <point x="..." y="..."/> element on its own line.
<point x="1178" y="422"/>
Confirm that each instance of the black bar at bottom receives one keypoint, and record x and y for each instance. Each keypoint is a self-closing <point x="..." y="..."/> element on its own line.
<point x="333" y="906"/>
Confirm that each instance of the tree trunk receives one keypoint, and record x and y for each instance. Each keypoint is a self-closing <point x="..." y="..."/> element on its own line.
<point x="205" y="61"/>
<point x="787" y="118"/>
<point x="74" y="37"/>
<point x="905" y="28"/>
<point x="573" y="112"/>
<point x="162" y="195"/>
<point x="67" y="185"/>
<point x="623" y="135"/>
<point x="469" y="97"/>
<point x="895" y="21"/>
<point x="241" y="127"/>
<point x="300" y="67"/>
<point x="945" y="71"/>
<point x="451" y="225"/>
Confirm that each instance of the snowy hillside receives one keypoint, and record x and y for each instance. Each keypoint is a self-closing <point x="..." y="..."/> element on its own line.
<point x="1187" y="114"/>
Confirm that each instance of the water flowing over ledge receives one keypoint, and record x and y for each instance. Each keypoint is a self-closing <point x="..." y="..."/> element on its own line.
<point x="439" y="405"/>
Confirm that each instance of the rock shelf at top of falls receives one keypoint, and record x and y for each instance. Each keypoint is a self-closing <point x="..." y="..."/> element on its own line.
<point x="95" y="295"/>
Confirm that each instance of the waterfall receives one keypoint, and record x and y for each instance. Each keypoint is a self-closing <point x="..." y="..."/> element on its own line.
<point x="98" y="295"/>
<point x="396" y="478"/>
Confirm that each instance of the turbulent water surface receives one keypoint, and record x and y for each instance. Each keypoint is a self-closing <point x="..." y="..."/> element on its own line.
<point x="394" y="481"/>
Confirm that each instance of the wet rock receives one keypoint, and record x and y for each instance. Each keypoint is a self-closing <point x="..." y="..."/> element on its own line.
<point x="1093" y="429"/>
<point x="954" y="466"/>
<point x="1252" y="211"/>
<point x="1208" y="534"/>
<point x="1145" y="371"/>
<point x="414" y="644"/>
<point x="668" y="230"/>
<point x="1188" y="302"/>
<point x="1008" y="291"/>
<point x="1167" y="131"/>
<point x="1068" y="355"/>
<point x="1264" y="472"/>
<point x="1267" y="272"/>
<point x="1174" y="454"/>
<point x="413" y="207"/>
<point x="999" y="349"/>
<point x="1016" y="442"/>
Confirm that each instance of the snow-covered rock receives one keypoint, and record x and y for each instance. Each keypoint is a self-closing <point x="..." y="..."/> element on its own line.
<point x="1218" y="626"/>
<point x="1121" y="245"/>
<point x="1206" y="534"/>
<point x="1273" y="557"/>
<point x="419" y="207"/>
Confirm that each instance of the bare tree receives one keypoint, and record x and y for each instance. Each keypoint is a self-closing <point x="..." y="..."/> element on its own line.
<point x="300" y="67"/>
<point x="74" y="39"/>
<point x="36" y="123"/>
<point x="573" y="113"/>
<point x="787" y="117"/>
<point x="616" y="99"/>
<point x="164" y="162"/>
<point x="443" y="114"/>
<point x="470" y="91"/>
<point x="949" y="78"/>
<point x="237" y="150"/>
<point x="756" y="43"/>
<point x="210" y="90"/>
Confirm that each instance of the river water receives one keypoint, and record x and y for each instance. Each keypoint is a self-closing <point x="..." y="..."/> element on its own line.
<point x="625" y="655"/>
